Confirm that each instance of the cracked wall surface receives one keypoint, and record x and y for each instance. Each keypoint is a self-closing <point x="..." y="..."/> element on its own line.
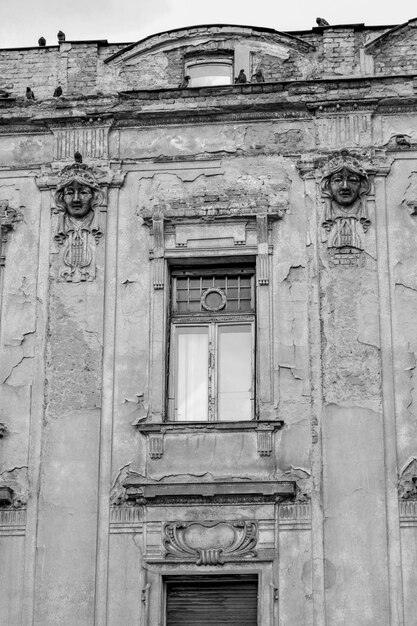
<point x="228" y="176"/>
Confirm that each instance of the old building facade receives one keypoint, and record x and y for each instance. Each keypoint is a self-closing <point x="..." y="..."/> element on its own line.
<point x="207" y="330"/>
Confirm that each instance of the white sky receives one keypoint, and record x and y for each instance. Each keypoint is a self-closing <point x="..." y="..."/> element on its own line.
<point x="22" y="22"/>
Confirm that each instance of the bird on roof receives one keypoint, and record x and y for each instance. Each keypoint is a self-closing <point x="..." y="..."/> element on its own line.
<point x="61" y="36"/>
<point x="322" y="22"/>
<point x="241" y="78"/>
<point x="185" y="82"/>
<point x="403" y="141"/>
<point x="78" y="157"/>
<point x="258" y="77"/>
<point x="58" y="92"/>
<point x="4" y="93"/>
<point x="41" y="42"/>
<point x="29" y="94"/>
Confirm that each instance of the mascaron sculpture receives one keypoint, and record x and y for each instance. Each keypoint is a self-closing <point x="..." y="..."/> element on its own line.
<point x="77" y="197"/>
<point x="344" y="186"/>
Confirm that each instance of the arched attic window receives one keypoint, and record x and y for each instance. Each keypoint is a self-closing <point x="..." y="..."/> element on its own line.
<point x="207" y="69"/>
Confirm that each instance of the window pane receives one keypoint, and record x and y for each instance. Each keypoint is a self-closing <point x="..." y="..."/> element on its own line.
<point x="207" y="74"/>
<point x="191" y="397"/>
<point x="235" y="372"/>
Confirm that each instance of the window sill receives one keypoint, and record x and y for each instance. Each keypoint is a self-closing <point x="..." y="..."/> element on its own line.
<point x="156" y="431"/>
<point x="186" y="427"/>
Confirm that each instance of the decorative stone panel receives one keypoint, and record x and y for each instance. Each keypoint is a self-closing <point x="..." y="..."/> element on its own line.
<point x="89" y="138"/>
<point x="210" y="543"/>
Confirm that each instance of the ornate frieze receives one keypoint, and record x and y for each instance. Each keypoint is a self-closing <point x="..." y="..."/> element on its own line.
<point x="77" y="197"/>
<point x="90" y="138"/>
<point x="210" y="543"/>
<point x="12" y="522"/>
<point x="344" y="187"/>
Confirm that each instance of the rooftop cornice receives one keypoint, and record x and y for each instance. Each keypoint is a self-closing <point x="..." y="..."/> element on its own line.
<point x="291" y="99"/>
<point x="378" y="41"/>
<point x="166" y="37"/>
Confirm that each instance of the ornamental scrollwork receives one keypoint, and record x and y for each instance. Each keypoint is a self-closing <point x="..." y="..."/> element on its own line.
<point x="210" y="543"/>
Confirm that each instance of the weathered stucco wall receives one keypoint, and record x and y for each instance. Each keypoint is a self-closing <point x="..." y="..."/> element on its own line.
<point x="94" y="480"/>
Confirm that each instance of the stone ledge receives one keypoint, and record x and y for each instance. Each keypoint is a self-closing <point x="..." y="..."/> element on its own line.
<point x="188" y="427"/>
<point x="221" y="492"/>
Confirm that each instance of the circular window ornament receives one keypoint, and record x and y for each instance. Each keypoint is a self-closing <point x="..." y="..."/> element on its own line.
<point x="213" y="299"/>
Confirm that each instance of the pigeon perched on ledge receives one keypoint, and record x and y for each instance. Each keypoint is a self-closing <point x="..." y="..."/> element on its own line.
<point x="185" y="82"/>
<point x="61" y="36"/>
<point x="42" y="42"/>
<point x="403" y="141"/>
<point x="241" y="78"/>
<point x="78" y="157"/>
<point x="322" y="22"/>
<point x="258" y="77"/>
<point x="58" y="92"/>
<point x="29" y="94"/>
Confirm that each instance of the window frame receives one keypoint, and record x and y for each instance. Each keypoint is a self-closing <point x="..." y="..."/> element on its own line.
<point x="207" y="58"/>
<point x="214" y="321"/>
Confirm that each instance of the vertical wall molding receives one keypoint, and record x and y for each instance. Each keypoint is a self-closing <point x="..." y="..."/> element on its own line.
<point x="106" y="426"/>
<point x="313" y="209"/>
<point x="388" y="402"/>
<point x="37" y="404"/>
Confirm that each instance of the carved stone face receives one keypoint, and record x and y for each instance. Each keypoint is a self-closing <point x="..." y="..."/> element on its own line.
<point x="77" y="199"/>
<point x="345" y="187"/>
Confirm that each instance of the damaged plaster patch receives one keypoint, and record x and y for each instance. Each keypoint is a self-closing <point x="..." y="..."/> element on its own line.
<point x="19" y="313"/>
<point x="303" y="479"/>
<point x="17" y="479"/>
<point x="74" y="358"/>
<point x="16" y="367"/>
<point x="293" y="278"/>
<point x="352" y="371"/>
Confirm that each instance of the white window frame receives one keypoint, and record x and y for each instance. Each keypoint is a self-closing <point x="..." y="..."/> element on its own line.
<point x="192" y="63"/>
<point x="213" y="322"/>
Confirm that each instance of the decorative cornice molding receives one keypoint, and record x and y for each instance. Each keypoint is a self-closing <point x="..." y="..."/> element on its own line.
<point x="12" y="522"/>
<point x="216" y="492"/>
<point x="294" y="516"/>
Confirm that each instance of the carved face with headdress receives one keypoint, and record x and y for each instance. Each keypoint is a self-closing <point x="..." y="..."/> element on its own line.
<point x="344" y="180"/>
<point x="78" y="192"/>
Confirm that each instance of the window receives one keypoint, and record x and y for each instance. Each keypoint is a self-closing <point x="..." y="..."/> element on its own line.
<point x="212" y="344"/>
<point x="204" y="600"/>
<point x="209" y="71"/>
